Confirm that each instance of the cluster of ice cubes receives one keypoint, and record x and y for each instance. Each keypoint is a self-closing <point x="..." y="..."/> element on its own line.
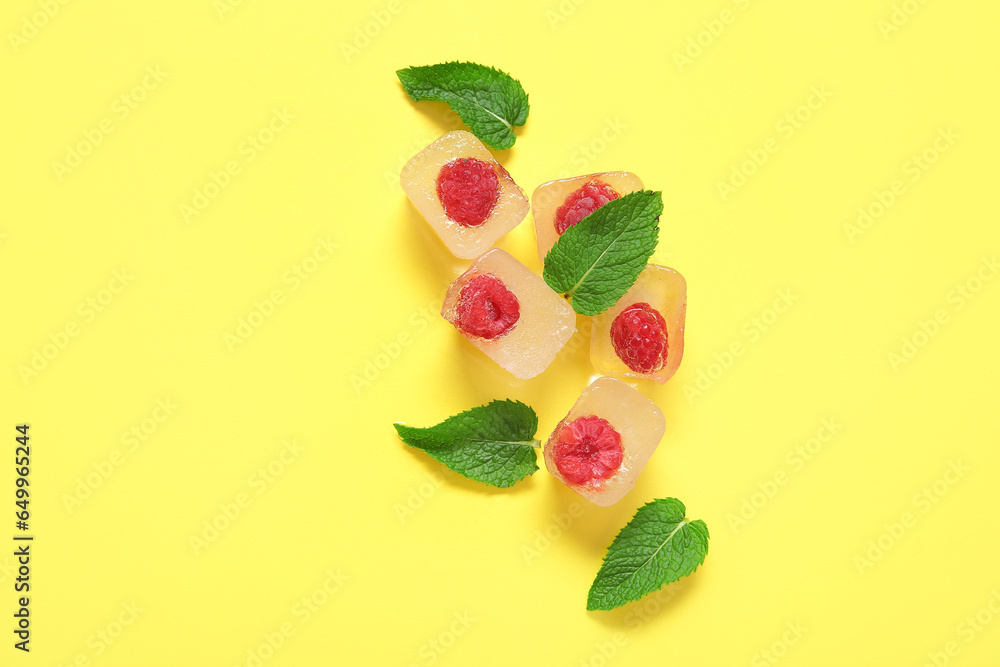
<point x="533" y="323"/>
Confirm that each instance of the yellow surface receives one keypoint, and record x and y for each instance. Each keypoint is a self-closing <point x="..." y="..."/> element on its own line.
<point x="234" y="256"/>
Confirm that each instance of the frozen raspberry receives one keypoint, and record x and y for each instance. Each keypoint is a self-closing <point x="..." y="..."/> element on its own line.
<point x="468" y="189"/>
<point x="486" y="308"/>
<point x="639" y="335"/>
<point x="588" y="449"/>
<point x="581" y="203"/>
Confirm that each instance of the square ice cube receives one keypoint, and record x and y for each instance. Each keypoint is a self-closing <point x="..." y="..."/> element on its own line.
<point x="642" y="336"/>
<point x="468" y="198"/>
<point x="602" y="445"/>
<point x="509" y="313"/>
<point x="549" y="198"/>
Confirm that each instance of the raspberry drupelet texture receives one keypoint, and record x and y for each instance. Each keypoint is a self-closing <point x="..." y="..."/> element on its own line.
<point x="468" y="189"/>
<point x="486" y="308"/>
<point x="588" y="449"/>
<point x="639" y="336"/>
<point x="581" y="203"/>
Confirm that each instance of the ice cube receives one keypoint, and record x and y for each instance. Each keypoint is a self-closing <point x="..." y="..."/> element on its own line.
<point x="509" y="313"/>
<point x="468" y="198"/>
<point x="549" y="198"/>
<point x="602" y="445"/>
<point x="642" y="336"/>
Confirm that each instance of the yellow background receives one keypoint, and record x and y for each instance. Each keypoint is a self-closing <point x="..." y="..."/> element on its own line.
<point x="430" y="559"/>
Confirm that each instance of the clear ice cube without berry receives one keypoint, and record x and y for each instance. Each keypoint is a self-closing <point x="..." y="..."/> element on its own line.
<point x="544" y="321"/>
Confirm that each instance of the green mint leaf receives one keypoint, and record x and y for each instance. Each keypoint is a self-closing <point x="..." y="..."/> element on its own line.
<point x="490" y="102"/>
<point x="595" y="261"/>
<point x="494" y="443"/>
<point x="658" y="546"/>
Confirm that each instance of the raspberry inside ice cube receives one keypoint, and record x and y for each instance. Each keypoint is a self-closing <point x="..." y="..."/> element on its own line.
<point x="558" y="205"/>
<point x="642" y="336"/>
<point x="509" y="313"/>
<point x="602" y="445"/>
<point x="468" y="189"/>
<point x="639" y="336"/>
<point x="587" y="449"/>
<point x="486" y="308"/>
<point x="468" y="198"/>
<point x="581" y="203"/>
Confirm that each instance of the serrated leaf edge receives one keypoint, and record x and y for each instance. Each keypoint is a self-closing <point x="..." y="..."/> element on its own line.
<point x="509" y="126"/>
<point x="535" y="443"/>
<point x="683" y="522"/>
<point x="569" y="295"/>
<point x="575" y="287"/>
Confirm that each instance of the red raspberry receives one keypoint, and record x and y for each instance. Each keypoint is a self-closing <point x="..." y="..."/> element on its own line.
<point x="588" y="449"/>
<point x="468" y="189"/>
<point x="486" y="308"/>
<point x="639" y="335"/>
<point x="581" y="203"/>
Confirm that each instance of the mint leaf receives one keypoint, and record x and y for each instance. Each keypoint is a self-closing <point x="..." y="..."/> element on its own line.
<point x="658" y="546"/>
<point x="490" y="102"/>
<point x="595" y="262"/>
<point x="494" y="443"/>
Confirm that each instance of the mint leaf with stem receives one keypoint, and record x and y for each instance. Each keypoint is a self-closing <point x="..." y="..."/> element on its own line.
<point x="658" y="546"/>
<point x="595" y="261"/>
<point x="489" y="101"/>
<point x="493" y="443"/>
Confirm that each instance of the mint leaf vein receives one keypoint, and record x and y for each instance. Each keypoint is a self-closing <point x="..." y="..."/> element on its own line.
<point x="595" y="262"/>
<point x="489" y="101"/>
<point x="493" y="443"/>
<point x="658" y="546"/>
